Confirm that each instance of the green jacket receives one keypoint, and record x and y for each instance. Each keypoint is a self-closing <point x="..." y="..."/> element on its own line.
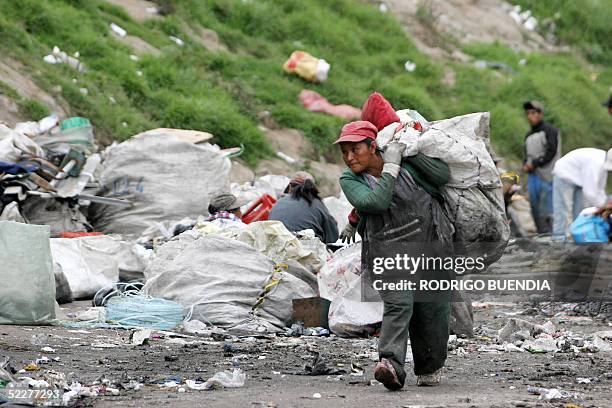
<point x="427" y="172"/>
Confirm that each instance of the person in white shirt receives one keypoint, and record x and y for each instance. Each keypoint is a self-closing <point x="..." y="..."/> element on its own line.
<point x="579" y="181"/>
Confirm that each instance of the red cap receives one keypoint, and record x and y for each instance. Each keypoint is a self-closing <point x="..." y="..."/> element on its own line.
<point x="379" y="111"/>
<point x="357" y="132"/>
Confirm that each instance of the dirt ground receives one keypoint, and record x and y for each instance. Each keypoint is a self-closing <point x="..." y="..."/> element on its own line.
<point x="472" y="378"/>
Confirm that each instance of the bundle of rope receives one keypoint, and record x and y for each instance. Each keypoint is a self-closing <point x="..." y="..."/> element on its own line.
<point x="135" y="310"/>
<point x="127" y="307"/>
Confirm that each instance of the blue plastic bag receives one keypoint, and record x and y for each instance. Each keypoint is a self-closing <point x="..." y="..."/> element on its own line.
<point x="590" y="229"/>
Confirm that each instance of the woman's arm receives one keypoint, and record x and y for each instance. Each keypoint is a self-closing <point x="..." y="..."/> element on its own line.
<point x="365" y="199"/>
<point x="434" y="171"/>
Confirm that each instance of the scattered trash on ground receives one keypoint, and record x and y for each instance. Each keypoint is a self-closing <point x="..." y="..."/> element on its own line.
<point x="318" y="366"/>
<point x="60" y="57"/>
<point x="552" y="394"/>
<point x="410" y="66"/>
<point x="177" y="41"/>
<point x="118" y="30"/>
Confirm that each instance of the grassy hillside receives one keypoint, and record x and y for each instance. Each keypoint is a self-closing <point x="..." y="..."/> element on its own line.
<point x="223" y="93"/>
<point x="584" y="24"/>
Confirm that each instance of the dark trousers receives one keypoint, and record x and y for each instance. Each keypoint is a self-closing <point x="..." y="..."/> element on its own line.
<point x="427" y="325"/>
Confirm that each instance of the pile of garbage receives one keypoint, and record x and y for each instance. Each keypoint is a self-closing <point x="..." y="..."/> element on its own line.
<point x="51" y="175"/>
<point x="45" y="168"/>
<point x="122" y="215"/>
<point x="522" y="17"/>
<point x="522" y="335"/>
<point x="88" y="221"/>
<point x="243" y="280"/>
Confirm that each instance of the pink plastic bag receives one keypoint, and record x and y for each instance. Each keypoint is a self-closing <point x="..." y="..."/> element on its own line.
<point x="316" y="103"/>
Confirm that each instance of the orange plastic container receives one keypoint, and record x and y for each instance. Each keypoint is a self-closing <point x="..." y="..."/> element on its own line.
<point x="259" y="210"/>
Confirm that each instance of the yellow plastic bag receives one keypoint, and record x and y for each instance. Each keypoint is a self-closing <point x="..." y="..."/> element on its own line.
<point x="306" y="66"/>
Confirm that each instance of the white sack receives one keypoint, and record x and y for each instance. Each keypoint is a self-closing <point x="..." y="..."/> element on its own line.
<point x="274" y="240"/>
<point x="88" y="263"/>
<point x="165" y="178"/>
<point x="473" y="197"/>
<point x="460" y="142"/>
<point x="222" y="280"/>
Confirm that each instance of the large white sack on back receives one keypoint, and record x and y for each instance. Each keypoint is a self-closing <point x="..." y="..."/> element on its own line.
<point x="222" y="279"/>
<point x="460" y="142"/>
<point x="473" y="198"/>
<point x="27" y="293"/>
<point x="165" y="177"/>
<point x="89" y="263"/>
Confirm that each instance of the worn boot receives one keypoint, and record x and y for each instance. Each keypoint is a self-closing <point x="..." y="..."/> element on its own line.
<point x="385" y="373"/>
<point x="429" y="380"/>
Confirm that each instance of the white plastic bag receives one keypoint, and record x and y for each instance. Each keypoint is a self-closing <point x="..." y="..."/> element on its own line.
<point x="350" y="317"/>
<point x="341" y="284"/>
<point x="235" y="379"/>
<point x="339" y="208"/>
<point x="341" y="270"/>
<point x="27" y="293"/>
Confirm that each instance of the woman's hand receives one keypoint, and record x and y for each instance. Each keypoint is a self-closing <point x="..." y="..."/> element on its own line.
<point x="393" y="153"/>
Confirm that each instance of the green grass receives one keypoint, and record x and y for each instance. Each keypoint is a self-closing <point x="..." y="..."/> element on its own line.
<point x="33" y="108"/>
<point x="189" y="87"/>
<point x="29" y="107"/>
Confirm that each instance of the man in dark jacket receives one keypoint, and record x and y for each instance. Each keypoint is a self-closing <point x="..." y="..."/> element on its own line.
<point x="542" y="150"/>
